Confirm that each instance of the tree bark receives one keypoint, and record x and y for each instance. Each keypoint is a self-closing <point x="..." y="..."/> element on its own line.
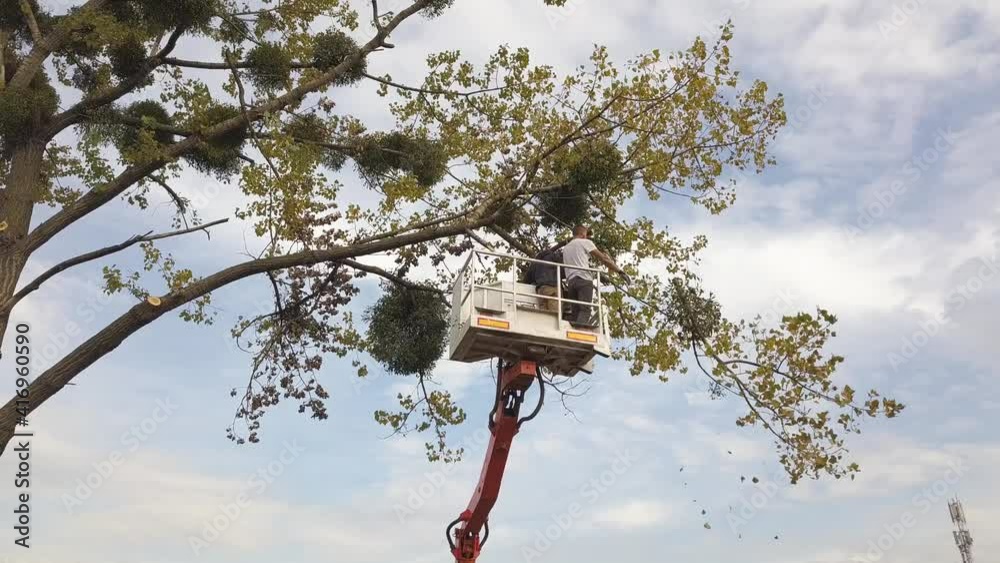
<point x="17" y="201"/>
<point x="35" y="60"/>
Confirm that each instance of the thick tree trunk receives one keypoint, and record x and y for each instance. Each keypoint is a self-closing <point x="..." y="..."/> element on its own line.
<point x="17" y="201"/>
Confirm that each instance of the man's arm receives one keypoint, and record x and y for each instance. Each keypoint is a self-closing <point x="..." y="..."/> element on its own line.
<point x="607" y="261"/>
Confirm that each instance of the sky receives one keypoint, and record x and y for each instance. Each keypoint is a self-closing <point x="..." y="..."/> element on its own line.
<point x="883" y="208"/>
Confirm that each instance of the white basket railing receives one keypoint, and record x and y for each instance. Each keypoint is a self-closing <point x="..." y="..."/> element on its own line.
<point x="469" y="269"/>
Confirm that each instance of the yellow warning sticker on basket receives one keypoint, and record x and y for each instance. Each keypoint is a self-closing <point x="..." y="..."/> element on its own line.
<point x="581" y="336"/>
<point x="493" y="323"/>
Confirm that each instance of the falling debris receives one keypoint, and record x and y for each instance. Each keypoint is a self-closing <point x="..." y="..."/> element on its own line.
<point x="708" y="526"/>
<point x="756" y="480"/>
<point x="704" y="512"/>
<point x="682" y="469"/>
<point x="742" y="478"/>
<point x="730" y="452"/>
<point x="775" y="537"/>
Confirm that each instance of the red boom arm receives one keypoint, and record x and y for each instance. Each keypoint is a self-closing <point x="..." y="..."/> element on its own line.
<point x="504" y="424"/>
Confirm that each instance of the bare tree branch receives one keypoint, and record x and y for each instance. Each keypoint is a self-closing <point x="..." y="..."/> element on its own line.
<point x="479" y="239"/>
<point x="398" y="280"/>
<point x="177" y="199"/>
<point x="513" y="242"/>
<point x="94" y="255"/>
<point x="433" y="92"/>
<point x="375" y="15"/>
<point x="209" y="65"/>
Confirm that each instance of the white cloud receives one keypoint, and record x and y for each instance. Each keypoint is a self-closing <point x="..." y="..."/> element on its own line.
<point x="751" y="266"/>
<point x="635" y="514"/>
<point x="643" y="423"/>
<point x="891" y="464"/>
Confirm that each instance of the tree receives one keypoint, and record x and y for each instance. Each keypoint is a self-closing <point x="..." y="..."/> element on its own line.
<point x="507" y="151"/>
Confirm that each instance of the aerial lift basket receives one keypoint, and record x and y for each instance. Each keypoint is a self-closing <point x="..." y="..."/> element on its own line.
<point x="504" y="318"/>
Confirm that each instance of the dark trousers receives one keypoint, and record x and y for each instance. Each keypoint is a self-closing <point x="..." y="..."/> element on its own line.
<point x="580" y="289"/>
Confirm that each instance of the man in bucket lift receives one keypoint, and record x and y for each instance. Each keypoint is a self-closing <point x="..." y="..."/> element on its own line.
<point x="580" y="283"/>
<point x="544" y="276"/>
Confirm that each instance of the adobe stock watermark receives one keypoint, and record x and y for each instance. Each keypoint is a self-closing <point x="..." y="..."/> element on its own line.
<point x="957" y="299"/>
<point x="752" y="503"/>
<point x="910" y="172"/>
<point x="558" y="15"/>
<point x="893" y="533"/>
<point x="204" y="193"/>
<point x="89" y="304"/>
<point x="359" y="383"/>
<point x="902" y="13"/>
<point x="131" y="440"/>
<point x="815" y="99"/>
<point x="255" y="486"/>
<point x="433" y="481"/>
<point x="590" y="493"/>
<point x="796" y="119"/>
<point x="784" y="303"/>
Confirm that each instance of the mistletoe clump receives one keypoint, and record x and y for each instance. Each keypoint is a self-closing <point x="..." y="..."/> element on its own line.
<point x="232" y="30"/>
<point x="127" y="57"/>
<point x="696" y="315"/>
<point x="381" y="154"/>
<point x="586" y="171"/>
<point x="86" y="42"/>
<point x="24" y="109"/>
<point x="308" y="128"/>
<point x="311" y="129"/>
<point x="270" y="66"/>
<point x="437" y="7"/>
<point x="511" y="216"/>
<point x="147" y="111"/>
<point x="162" y="15"/>
<point x="332" y="48"/>
<point x="407" y="330"/>
<point x="127" y="11"/>
<point x="220" y="156"/>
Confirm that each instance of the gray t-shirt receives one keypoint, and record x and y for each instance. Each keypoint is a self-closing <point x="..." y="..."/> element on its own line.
<point x="577" y="253"/>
